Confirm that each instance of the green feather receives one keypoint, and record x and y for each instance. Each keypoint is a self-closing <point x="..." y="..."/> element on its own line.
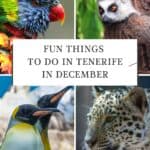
<point x="8" y="11"/>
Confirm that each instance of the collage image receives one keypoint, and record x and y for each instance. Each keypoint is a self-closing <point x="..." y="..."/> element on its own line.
<point x="73" y="117"/>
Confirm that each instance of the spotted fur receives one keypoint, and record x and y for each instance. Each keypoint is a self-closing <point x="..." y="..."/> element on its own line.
<point x="116" y="120"/>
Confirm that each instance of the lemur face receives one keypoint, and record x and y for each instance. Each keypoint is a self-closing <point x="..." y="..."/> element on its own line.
<point x="112" y="11"/>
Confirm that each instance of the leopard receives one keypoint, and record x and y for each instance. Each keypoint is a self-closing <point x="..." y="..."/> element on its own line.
<point x="117" y="120"/>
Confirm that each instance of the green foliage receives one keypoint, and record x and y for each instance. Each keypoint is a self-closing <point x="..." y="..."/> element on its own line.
<point x="89" y="25"/>
<point x="8" y="11"/>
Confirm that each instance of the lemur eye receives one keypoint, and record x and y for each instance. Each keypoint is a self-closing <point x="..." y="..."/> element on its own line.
<point x="101" y="10"/>
<point x="113" y="8"/>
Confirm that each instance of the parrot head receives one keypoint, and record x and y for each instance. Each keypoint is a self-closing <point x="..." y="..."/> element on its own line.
<point x="30" y="114"/>
<point x="34" y="17"/>
<point x="56" y="10"/>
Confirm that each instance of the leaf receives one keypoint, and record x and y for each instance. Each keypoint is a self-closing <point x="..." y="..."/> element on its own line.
<point x="89" y="25"/>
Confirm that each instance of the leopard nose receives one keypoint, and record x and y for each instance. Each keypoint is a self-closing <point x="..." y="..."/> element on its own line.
<point x="88" y="141"/>
<point x="86" y="146"/>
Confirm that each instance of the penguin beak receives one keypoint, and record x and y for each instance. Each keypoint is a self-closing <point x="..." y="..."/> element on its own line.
<point x="52" y="100"/>
<point x="57" y="96"/>
<point x="45" y="111"/>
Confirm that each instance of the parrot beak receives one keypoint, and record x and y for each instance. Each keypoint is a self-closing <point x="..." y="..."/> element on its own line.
<point x="62" y="22"/>
<point x="57" y="13"/>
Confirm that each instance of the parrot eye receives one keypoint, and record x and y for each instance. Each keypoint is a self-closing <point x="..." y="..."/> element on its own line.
<point x="101" y="10"/>
<point x="113" y="8"/>
<point x="55" y="2"/>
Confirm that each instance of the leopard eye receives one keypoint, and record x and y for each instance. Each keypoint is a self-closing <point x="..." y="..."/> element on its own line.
<point x="113" y="8"/>
<point x="101" y="10"/>
<point x="109" y="119"/>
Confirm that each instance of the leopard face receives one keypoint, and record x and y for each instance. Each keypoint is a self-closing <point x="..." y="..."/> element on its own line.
<point x="116" y="120"/>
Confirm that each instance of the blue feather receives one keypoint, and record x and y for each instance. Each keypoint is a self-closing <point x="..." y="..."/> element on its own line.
<point x="34" y="19"/>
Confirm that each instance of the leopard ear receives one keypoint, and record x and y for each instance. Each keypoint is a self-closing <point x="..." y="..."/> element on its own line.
<point x="138" y="98"/>
<point x="96" y="91"/>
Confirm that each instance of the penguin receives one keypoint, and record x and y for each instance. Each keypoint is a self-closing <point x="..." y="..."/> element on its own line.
<point x="49" y="101"/>
<point x="22" y="132"/>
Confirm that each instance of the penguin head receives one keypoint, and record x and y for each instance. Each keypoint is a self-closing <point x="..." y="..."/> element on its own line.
<point x="30" y="114"/>
<point x="52" y="100"/>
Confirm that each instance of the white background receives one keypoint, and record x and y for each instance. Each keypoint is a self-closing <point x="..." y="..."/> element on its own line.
<point x="23" y="74"/>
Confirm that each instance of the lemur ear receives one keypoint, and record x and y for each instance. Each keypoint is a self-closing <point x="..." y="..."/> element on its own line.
<point x="138" y="98"/>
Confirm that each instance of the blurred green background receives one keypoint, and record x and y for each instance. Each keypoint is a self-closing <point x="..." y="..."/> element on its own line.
<point x="55" y="30"/>
<point x="89" y="25"/>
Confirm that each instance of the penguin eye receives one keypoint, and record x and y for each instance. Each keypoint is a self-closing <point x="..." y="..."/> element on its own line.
<point x="101" y="10"/>
<point x="113" y="8"/>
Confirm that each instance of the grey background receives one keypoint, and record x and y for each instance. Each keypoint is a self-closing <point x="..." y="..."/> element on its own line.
<point x="83" y="102"/>
<point x="55" y="30"/>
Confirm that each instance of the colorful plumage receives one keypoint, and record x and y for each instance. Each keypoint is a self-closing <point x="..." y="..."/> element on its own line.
<point x="26" y="19"/>
<point x="29" y="17"/>
<point x="5" y="63"/>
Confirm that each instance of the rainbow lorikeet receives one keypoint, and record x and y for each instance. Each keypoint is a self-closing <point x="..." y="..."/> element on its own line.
<point x="24" y="19"/>
<point x="27" y="18"/>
